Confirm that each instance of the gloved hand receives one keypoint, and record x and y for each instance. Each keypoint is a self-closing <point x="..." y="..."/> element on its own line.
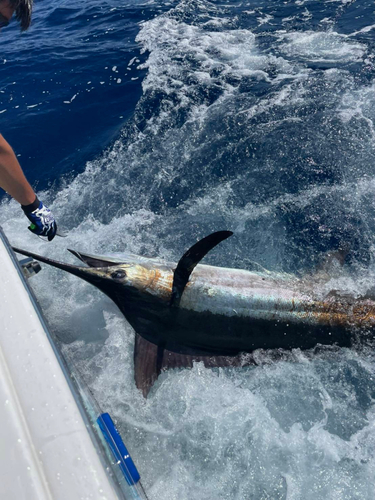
<point x="42" y="221"/>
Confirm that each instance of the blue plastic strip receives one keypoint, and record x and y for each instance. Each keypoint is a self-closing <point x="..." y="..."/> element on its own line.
<point x="118" y="448"/>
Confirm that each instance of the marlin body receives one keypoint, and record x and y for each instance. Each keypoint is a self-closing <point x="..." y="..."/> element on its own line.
<point x="214" y="314"/>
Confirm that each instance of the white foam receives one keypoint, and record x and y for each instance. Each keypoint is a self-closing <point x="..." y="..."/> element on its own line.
<point x="266" y="19"/>
<point x="238" y="433"/>
<point x="321" y="46"/>
<point x="209" y="57"/>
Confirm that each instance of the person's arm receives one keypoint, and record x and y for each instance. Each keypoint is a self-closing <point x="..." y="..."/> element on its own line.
<point x="12" y="179"/>
<point x="14" y="182"/>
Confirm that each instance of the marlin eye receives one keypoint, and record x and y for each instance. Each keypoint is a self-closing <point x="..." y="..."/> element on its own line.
<point x="118" y="275"/>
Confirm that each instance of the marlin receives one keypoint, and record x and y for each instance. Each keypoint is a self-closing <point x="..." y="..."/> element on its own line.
<point x="189" y="312"/>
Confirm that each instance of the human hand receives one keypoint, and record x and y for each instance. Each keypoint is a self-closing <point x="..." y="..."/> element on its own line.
<point x="42" y="220"/>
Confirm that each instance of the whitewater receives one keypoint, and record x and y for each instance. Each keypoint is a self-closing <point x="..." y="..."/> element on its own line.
<point x="147" y="125"/>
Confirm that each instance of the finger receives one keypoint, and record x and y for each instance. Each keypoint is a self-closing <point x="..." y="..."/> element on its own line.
<point x="52" y="232"/>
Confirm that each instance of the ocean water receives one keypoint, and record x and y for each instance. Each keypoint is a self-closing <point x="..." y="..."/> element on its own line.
<point x="147" y="125"/>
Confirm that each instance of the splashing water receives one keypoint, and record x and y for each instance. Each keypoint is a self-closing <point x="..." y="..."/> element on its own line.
<point x="257" y="118"/>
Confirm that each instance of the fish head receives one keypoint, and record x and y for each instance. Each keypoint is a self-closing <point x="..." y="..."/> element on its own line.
<point x="132" y="280"/>
<point x="142" y="292"/>
<point x="134" y="277"/>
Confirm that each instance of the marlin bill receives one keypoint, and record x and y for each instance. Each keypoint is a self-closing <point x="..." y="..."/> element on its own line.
<point x="189" y="312"/>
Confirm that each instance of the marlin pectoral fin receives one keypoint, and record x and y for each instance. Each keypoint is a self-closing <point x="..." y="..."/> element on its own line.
<point x="190" y="259"/>
<point x="145" y="364"/>
<point x="94" y="261"/>
<point x="150" y="360"/>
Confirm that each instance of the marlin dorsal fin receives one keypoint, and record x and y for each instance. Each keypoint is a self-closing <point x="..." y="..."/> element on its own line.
<point x="94" y="261"/>
<point x="190" y="259"/>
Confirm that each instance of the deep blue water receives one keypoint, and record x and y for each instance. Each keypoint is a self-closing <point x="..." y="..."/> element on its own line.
<point x="69" y="53"/>
<point x="146" y="126"/>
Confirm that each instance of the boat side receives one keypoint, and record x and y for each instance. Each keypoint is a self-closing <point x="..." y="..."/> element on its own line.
<point x="46" y="450"/>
